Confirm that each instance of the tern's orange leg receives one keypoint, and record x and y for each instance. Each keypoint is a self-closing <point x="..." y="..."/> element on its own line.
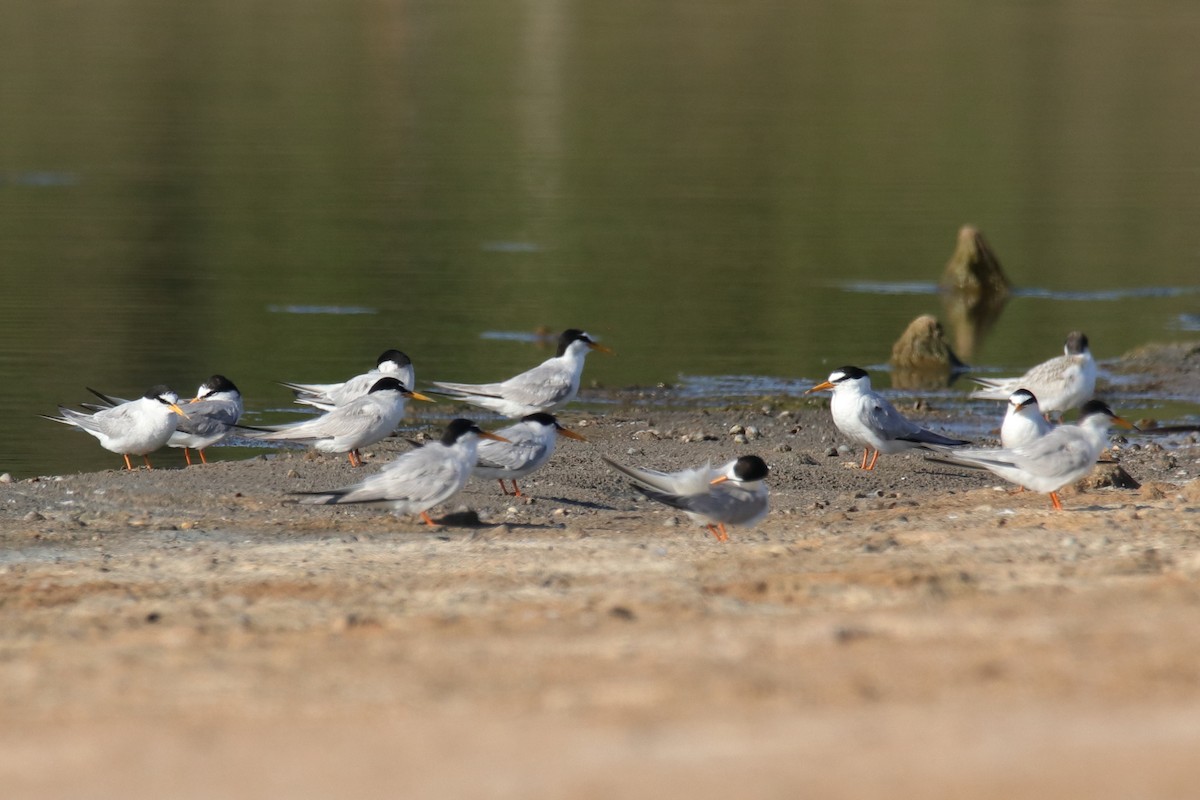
<point x="516" y="489"/>
<point x="203" y="460"/>
<point x="128" y="465"/>
<point x="724" y="537"/>
<point x="428" y="521"/>
<point x="355" y="459"/>
<point x="863" y="465"/>
<point x="874" y="458"/>
<point x="1054" y="499"/>
<point x="187" y="456"/>
<point x="146" y="458"/>
<point x="503" y="488"/>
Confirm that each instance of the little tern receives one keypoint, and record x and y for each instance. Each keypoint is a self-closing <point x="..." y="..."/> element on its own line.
<point x="732" y="494"/>
<point x="211" y="416"/>
<point x="548" y="386"/>
<point x="1061" y="384"/>
<point x="326" y="396"/>
<point x="870" y="420"/>
<point x="1061" y="457"/>
<point x="419" y="479"/>
<point x="360" y="423"/>
<point x="1023" y="420"/>
<point x="138" y="427"/>
<point x="529" y="445"/>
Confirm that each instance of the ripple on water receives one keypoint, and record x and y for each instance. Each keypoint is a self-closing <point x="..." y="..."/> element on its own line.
<point x="1037" y="293"/>
<point x="313" y="309"/>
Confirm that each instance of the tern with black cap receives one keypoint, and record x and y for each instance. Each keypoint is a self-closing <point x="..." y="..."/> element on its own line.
<point x="870" y="420"/>
<point x="548" y="386"/>
<point x="420" y="479"/>
<point x="732" y="494"/>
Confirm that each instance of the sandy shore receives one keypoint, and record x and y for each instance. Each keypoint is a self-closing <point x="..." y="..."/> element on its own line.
<point x="914" y="631"/>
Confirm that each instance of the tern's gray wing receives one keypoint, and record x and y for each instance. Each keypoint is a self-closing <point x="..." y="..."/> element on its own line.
<point x="209" y="417"/>
<point x="309" y="388"/>
<point x="109" y="421"/>
<point x="1063" y="450"/>
<point x="993" y="389"/>
<point x="343" y="421"/>
<point x="357" y="386"/>
<point x="544" y="386"/>
<point x="423" y="476"/>
<point x="353" y="388"/>
<point x="1060" y="452"/>
<point x="689" y="481"/>
<point x="510" y="456"/>
<point x="883" y="417"/>
<point x="469" y="389"/>
<point x="727" y="502"/>
<point x="1060" y="370"/>
<point x="327" y="396"/>
<point x="1042" y="379"/>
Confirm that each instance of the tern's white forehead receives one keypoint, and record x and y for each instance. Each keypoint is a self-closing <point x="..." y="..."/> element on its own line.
<point x="842" y="374"/>
<point x="1020" y="397"/>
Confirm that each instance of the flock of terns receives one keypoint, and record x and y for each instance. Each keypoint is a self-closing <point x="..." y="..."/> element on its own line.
<point x="1034" y="453"/>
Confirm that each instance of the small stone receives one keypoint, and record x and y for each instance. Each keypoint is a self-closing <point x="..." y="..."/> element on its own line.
<point x="740" y="439"/>
<point x="560" y="512"/>
<point x="1109" y="474"/>
<point x="846" y="635"/>
<point x="752" y="432"/>
<point x="831" y="451"/>
<point x="6" y="478"/>
<point x="783" y="448"/>
<point x="736" y="429"/>
<point x="33" y="516"/>
<point x="291" y="473"/>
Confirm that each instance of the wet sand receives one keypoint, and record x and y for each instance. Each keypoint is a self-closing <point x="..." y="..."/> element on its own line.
<point x="918" y="630"/>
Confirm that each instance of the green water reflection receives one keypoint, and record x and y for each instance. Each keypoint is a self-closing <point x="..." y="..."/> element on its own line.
<point x="693" y="181"/>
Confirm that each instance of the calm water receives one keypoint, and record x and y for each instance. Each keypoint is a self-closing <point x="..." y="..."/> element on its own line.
<point x="281" y="190"/>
